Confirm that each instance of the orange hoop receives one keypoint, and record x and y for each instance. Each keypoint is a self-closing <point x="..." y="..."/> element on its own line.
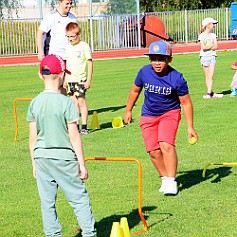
<point x="139" y="185"/>
<point x="15" y="114"/>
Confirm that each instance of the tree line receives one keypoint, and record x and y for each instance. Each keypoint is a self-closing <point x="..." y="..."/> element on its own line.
<point x="129" y="6"/>
<point x="179" y="5"/>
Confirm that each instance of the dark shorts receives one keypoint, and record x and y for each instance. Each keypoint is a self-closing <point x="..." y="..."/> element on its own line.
<point x="74" y="88"/>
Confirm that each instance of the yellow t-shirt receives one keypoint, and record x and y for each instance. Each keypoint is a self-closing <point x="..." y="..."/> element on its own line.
<point x="77" y="56"/>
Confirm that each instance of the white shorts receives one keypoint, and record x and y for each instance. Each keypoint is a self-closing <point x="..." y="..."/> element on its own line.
<point x="207" y="60"/>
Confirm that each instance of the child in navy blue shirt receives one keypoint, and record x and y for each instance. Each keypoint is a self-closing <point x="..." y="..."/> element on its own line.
<point x="164" y="90"/>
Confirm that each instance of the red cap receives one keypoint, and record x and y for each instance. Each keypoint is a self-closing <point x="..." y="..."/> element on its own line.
<point x="55" y="65"/>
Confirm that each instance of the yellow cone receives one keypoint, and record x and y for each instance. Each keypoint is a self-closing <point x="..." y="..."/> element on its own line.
<point x="95" y="121"/>
<point x="125" y="227"/>
<point x="116" y="230"/>
<point x="117" y="122"/>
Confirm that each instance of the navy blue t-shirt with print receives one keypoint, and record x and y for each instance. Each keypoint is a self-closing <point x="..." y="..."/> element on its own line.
<point x="160" y="92"/>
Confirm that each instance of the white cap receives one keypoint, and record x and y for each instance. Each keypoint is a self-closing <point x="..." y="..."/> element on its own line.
<point x="208" y="20"/>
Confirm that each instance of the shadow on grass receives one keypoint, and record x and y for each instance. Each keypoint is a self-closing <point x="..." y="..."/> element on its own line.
<point x="102" y="126"/>
<point x="104" y="226"/>
<point x="193" y="177"/>
<point x="101" y="110"/>
<point x="112" y="109"/>
<point x="226" y="92"/>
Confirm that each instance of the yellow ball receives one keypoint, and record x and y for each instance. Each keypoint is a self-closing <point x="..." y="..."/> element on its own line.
<point x="192" y="141"/>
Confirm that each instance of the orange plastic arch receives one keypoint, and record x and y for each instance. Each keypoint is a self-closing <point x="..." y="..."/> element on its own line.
<point x="139" y="185"/>
<point x="15" y="114"/>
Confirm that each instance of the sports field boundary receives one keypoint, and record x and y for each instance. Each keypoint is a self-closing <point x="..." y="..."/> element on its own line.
<point x="125" y="53"/>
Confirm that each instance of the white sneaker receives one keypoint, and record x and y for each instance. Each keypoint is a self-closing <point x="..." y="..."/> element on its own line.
<point x="207" y="96"/>
<point x="171" y="188"/>
<point x="163" y="184"/>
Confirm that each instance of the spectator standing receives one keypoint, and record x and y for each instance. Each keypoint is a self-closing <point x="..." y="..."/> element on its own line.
<point x="208" y="43"/>
<point x="52" y="28"/>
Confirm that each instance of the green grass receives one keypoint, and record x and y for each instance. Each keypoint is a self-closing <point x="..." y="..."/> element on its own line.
<point x="203" y="207"/>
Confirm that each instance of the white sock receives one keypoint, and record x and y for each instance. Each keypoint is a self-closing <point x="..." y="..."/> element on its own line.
<point x="163" y="177"/>
<point x="170" y="179"/>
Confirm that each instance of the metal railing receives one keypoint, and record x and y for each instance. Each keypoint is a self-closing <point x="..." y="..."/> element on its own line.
<point x="109" y="32"/>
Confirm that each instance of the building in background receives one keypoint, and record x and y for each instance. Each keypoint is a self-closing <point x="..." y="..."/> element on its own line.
<point x="31" y="9"/>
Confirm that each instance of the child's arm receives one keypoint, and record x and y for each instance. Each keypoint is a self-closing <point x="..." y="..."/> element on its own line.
<point x="89" y="73"/>
<point x="209" y="46"/>
<point x="234" y="66"/>
<point x="75" y="139"/>
<point x="188" y="112"/>
<point x="132" y="98"/>
<point x="214" y="45"/>
<point x="32" y="141"/>
<point x="39" y="43"/>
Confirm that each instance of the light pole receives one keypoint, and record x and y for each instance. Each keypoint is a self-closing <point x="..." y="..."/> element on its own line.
<point x="41" y="8"/>
<point x="138" y="23"/>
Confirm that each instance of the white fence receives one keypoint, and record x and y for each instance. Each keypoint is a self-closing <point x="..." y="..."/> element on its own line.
<point x="109" y="32"/>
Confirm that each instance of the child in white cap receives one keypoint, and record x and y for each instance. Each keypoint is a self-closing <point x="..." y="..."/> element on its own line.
<point x="234" y="80"/>
<point x="165" y="90"/>
<point x="56" y="151"/>
<point x="208" y="42"/>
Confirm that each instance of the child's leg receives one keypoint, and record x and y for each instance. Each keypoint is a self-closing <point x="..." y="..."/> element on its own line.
<point x="234" y="81"/>
<point x="75" y="191"/>
<point x="159" y="135"/>
<point x="75" y="101"/>
<point x="167" y="130"/>
<point x="165" y="160"/>
<point x="170" y="159"/>
<point x="209" y="74"/>
<point x="47" y="189"/>
<point x="158" y="161"/>
<point x="83" y="109"/>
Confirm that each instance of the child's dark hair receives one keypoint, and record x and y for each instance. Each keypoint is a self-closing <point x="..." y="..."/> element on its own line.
<point x="73" y="26"/>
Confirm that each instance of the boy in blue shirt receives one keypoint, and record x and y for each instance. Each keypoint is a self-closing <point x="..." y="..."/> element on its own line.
<point x="164" y="90"/>
<point x="56" y="151"/>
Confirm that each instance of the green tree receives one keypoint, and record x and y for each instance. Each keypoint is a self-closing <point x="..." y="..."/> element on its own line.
<point x="121" y="7"/>
<point x="6" y="7"/>
<point x="178" y="5"/>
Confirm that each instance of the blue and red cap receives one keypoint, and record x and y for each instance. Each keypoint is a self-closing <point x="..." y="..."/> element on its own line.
<point x="160" y="48"/>
<point x="53" y="64"/>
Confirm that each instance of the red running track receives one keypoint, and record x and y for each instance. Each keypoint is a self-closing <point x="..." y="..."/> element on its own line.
<point x="127" y="53"/>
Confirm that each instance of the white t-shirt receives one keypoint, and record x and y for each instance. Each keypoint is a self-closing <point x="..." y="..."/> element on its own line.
<point x="77" y="56"/>
<point x="206" y="38"/>
<point x="56" y="24"/>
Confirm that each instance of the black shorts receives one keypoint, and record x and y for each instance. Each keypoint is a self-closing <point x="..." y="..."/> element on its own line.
<point x="74" y="88"/>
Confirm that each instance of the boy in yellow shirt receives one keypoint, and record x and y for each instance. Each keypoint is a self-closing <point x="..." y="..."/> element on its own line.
<point x="78" y="55"/>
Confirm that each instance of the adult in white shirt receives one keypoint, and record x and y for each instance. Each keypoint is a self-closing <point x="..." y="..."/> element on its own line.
<point x="54" y="24"/>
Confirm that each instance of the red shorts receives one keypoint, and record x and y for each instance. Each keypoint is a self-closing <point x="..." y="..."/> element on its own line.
<point x="161" y="128"/>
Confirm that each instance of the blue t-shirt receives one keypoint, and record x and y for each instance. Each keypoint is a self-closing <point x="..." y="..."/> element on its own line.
<point x="160" y="92"/>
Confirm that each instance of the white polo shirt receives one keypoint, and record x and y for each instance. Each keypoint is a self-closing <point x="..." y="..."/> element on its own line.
<point x="56" y="24"/>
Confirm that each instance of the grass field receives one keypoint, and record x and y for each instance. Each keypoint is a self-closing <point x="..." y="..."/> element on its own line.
<point x="204" y="207"/>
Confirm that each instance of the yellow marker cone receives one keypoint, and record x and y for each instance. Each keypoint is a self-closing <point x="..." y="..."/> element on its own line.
<point x="117" y="122"/>
<point x="116" y="230"/>
<point x="125" y="227"/>
<point x="95" y="121"/>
